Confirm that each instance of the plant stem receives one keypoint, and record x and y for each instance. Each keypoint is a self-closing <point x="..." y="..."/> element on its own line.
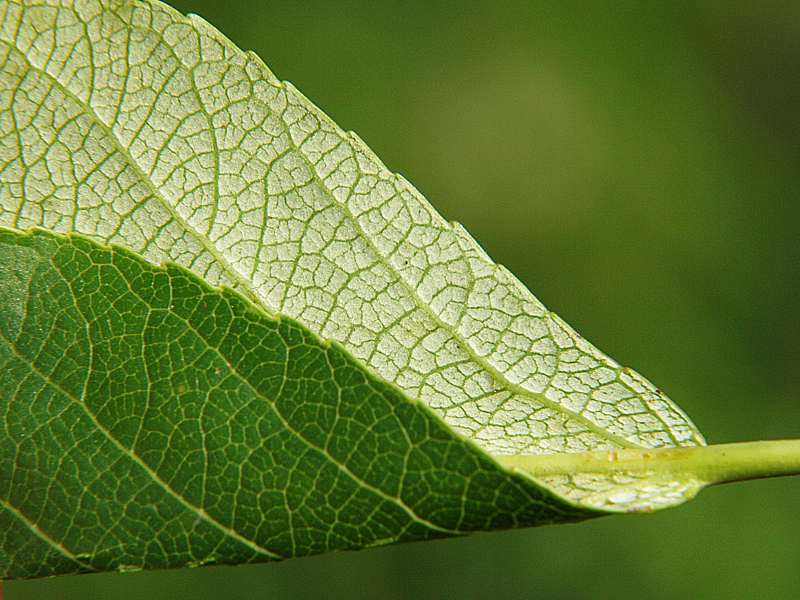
<point x="721" y="463"/>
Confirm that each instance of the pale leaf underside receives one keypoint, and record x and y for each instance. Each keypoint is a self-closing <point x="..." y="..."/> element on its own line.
<point x="137" y="126"/>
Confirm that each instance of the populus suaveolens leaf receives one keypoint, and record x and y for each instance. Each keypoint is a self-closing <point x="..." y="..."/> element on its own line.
<point x="151" y="421"/>
<point x="134" y="125"/>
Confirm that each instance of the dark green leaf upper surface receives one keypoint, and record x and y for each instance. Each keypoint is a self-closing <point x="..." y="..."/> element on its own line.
<point x="152" y="421"/>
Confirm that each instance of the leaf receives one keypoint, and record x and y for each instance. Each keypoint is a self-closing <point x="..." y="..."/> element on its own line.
<point x="157" y="422"/>
<point x="133" y="125"/>
<point x="136" y="126"/>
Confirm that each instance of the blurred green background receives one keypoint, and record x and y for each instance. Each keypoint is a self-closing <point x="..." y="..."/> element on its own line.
<point x="638" y="167"/>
